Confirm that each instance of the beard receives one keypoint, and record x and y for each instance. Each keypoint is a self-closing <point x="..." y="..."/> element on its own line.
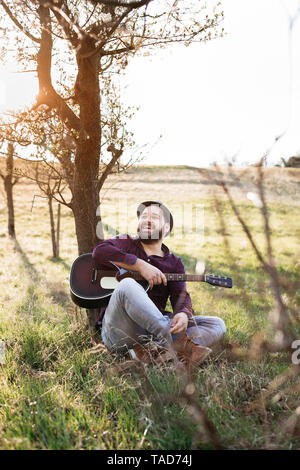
<point x="150" y="236"/>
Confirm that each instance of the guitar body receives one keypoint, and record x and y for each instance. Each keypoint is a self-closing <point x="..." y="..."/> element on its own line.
<point x="91" y="287"/>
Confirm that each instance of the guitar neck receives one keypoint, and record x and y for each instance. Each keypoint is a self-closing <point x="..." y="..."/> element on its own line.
<point x="213" y="279"/>
<point x="175" y="277"/>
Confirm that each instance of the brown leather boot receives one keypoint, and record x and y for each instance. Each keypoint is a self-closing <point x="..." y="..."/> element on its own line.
<point x="141" y="354"/>
<point x="150" y="354"/>
<point x="189" y="351"/>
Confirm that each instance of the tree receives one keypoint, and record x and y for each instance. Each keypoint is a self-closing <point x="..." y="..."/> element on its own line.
<point x="9" y="180"/>
<point x="292" y="162"/>
<point x="76" y="42"/>
<point x="50" y="183"/>
<point x="51" y="161"/>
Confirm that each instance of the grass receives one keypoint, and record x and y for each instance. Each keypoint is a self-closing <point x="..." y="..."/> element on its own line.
<point x="58" y="392"/>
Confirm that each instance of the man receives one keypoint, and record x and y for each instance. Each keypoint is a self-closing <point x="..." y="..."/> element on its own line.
<point x="133" y="316"/>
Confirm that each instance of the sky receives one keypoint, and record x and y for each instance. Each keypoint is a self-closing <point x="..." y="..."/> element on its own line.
<point x="214" y="101"/>
<point x="224" y="98"/>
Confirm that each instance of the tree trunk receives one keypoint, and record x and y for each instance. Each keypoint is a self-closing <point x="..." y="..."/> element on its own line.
<point x="10" y="207"/>
<point x="8" y="186"/>
<point x="52" y="226"/>
<point x="86" y="169"/>
<point x="57" y="230"/>
<point x="85" y="203"/>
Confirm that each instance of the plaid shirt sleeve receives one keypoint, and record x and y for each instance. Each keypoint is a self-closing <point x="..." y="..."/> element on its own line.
<point x="114" y="249"/>
<point x="179" y="297"/>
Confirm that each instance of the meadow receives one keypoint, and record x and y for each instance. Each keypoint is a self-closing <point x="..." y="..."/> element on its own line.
<point x="60" y="390"/>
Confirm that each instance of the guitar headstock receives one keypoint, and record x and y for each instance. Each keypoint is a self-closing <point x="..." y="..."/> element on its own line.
<point x="220" y="281"/>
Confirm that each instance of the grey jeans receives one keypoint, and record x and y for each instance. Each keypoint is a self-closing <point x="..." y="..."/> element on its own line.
<point x="131" y="317"/>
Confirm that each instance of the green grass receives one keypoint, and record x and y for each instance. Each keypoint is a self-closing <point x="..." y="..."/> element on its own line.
<point x="56" y="392"/>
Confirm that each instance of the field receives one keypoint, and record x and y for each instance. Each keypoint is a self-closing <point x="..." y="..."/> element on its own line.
<point x="60" y="391"/>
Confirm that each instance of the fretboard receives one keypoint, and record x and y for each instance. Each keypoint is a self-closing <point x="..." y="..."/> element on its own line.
<point x="169" y="276"/>
<point x="213" y="279"/>
<point x="174" y="277"/>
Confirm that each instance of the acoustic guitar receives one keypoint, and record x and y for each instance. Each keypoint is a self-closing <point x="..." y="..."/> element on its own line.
<point x="92" y="287"/>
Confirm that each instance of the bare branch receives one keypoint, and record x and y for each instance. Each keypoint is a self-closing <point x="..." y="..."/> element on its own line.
<point x="119" y="3"/>
<point x="245" y="226"/>
<point x="18" y="24"/>
<point x="62" y="200"/>
<point x="67" y="22"/>
<point x="47" y="95"/>
<point x="118" y="51"/>
<point x="99" y="48"/>
<point x="116" y="154"/>
<point x="282" y="322"/>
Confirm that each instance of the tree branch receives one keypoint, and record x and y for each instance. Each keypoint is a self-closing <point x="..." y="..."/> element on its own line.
<point x="116" y="154"/>
<point x="120" y="3"/>
<point x="18" y="24"/>
<point x="66" y="21"/>
<point x="99" y="48"/>
<point x="47" y="95"/>
<point x="118" y="51"/>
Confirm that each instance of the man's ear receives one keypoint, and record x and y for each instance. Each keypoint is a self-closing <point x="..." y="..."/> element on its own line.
<point x="166" y="228"/>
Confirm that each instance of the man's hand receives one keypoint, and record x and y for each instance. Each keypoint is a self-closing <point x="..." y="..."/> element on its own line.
<point x="152" y="274"/>
<point x="179" y="323"/>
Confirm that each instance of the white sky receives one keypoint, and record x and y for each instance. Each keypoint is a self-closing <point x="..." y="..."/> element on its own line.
<point x="212" y="100"/>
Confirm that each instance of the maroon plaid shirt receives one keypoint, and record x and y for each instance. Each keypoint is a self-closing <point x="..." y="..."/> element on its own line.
<point x="125" y="249"/>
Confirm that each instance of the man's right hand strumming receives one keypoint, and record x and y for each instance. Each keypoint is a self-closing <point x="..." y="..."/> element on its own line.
<point x="152" y="274"/>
